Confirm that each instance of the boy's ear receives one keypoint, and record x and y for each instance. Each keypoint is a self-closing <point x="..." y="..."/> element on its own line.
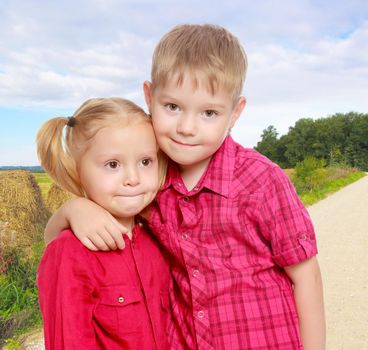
<point x="147" y="89"/>
<point x="238" y="109"/>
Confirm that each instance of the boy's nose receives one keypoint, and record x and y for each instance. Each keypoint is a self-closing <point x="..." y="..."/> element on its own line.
<point x="131" y="177"/>
<point x="186" y="125"/>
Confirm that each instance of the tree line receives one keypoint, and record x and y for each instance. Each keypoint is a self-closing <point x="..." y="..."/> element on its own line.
<point x="341" y="139"/>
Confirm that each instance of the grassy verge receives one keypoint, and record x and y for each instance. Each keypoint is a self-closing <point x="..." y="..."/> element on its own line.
<point x="328" y="187"/>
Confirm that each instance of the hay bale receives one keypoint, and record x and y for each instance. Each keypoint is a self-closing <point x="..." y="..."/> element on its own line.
<point x="23" y="214"/>
<point x="56" y="197"/>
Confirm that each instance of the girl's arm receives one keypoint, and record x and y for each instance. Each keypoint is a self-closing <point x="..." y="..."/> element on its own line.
<point x="308" y="294"/>
<point x="96" y="228"/>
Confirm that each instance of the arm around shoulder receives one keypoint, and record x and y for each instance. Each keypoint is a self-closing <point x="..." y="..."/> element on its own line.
<point x="93" y="225"/>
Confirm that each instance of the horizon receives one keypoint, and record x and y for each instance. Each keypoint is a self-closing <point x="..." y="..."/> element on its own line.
<point x="40" y="166"/>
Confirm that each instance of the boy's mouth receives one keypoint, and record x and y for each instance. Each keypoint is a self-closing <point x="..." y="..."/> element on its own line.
<point x="184" y="143"/>
<point x="129" y="195"/>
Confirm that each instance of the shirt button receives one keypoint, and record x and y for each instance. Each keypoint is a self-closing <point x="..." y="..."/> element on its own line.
<point x="200" y="314"/>
<point x="186" y="199"/>
<point x="196" y="188"/>
<point x="195" y="273"/>
<point x="184" y="236"/>
<point x="303" y="236"/>
<point x="178" y="184"/>
<point x="121" y="300"/>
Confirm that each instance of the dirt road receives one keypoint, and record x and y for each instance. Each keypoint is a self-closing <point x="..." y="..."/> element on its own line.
<point x="341" y="223"/>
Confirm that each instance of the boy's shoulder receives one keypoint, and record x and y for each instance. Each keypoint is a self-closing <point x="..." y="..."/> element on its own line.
<point x="249" y="159"/>
<point x="250" y="155"/>
<point x="253" y="171"/>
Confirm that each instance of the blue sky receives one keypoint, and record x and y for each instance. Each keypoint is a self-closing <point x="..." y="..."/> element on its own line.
<point x="306" y="59"/>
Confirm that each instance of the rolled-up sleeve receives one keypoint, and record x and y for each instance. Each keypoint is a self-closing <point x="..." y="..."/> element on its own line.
<point x="285" y="222"/>
<point x="65" y="286"/>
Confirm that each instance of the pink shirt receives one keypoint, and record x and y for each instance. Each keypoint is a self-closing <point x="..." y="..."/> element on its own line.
<point x="104" y="300"/>
<point x="229" y="238"/>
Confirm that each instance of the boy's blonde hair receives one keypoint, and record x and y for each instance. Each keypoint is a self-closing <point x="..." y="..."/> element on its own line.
<point x="207" y="49"/>
<point x="60" y="146"/>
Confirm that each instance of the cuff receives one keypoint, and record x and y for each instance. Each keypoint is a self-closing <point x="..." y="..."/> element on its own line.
<point x="304" y="249"/>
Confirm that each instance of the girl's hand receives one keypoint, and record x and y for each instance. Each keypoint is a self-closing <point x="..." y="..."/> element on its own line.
<point x="96" y="228"/>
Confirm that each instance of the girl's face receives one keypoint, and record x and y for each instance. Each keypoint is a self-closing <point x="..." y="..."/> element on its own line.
<point x="119" y="170"/>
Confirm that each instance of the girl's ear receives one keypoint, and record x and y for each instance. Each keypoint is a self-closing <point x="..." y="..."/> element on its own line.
<point x="147" y="89"/>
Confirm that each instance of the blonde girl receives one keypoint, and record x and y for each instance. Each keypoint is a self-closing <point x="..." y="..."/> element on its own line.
<point x="106" y="152"/>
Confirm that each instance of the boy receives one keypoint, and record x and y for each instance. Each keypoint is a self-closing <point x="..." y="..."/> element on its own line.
<point x="242" y="244"/>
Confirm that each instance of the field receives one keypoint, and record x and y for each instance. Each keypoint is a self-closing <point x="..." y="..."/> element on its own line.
<point x="23" y="216"/>
<point x="45" y="182"/>
<point x="26" y="202"/>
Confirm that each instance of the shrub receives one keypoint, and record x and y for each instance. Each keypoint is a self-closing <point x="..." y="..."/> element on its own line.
<point x="309" y="174"/>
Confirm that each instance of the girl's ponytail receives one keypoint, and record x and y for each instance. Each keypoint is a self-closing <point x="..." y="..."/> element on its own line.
<point x="55" y="156"/>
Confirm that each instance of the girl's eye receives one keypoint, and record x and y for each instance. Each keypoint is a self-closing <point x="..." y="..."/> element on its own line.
<point x="146" y="161"/>
<point x="172" y="107"/>
<point x="113" y="164"/>
<point x="209" y="113"/>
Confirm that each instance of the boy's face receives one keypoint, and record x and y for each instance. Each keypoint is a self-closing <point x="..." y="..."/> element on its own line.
<point x="189" y="122"/>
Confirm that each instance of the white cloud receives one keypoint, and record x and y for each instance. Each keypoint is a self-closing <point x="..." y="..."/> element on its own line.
<point x="52" y="77"/>
<point x="306" y="58"/>
<point x="285" y="84"/>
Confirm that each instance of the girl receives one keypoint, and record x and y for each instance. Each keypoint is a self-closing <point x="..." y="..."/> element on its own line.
<point x="105" y="300"/>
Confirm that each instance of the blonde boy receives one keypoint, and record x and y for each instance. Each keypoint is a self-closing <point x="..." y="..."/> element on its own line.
<point x="242" y="244"/>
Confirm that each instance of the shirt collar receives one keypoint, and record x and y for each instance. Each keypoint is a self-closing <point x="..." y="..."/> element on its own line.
<point x="172" y="175"/>
<point x="218" y="175"/>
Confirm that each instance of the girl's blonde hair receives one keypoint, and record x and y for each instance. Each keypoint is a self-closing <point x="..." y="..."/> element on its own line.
<point x="208" y="49"/>
<point x="59" y="146"/>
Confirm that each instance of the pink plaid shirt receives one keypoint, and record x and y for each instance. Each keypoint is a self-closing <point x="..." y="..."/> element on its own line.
<point x="229" y="238"/>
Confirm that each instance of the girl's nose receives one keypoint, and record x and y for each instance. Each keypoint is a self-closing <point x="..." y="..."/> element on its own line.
<point x="131" y="177"/>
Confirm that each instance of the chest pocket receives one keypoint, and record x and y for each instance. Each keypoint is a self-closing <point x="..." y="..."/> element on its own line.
<point x="121" y="309"/>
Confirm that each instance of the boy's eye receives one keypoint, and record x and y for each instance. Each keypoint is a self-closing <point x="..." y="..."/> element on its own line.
<point x="209" y="113"/>
<point x="113" y="164"/>
<point x="146" y="162"/>
<point x="172" y="107"/>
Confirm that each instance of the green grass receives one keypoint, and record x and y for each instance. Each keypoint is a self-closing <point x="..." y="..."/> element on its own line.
<point x="19" y="309"/>
<point x="12" y="343"/>
<point x="315" y="195"/>
<point x="45" y="182"/>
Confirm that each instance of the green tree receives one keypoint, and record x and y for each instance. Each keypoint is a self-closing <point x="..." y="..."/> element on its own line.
<point x="338" y="139"/>
<point x="356" y="150"/>
<point x="301" y="141"/>
<point x="268" y="144"/>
